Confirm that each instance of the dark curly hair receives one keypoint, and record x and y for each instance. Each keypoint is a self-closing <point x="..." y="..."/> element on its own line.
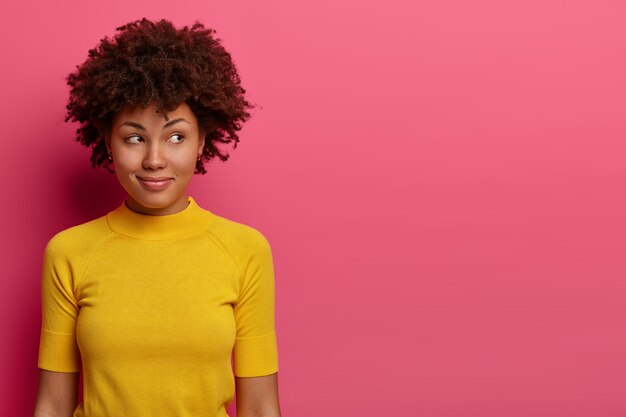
<point x="154" y="62"/>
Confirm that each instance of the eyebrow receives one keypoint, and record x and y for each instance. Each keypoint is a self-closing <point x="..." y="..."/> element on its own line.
<point x="168" y="124"/>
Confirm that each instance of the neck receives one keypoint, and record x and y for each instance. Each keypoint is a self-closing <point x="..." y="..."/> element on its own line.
<point x="192" y="220"/>
<point x="179" y="205"/>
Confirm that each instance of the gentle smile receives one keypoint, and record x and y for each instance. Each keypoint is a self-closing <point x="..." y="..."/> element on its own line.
<point x="155" y="183"/>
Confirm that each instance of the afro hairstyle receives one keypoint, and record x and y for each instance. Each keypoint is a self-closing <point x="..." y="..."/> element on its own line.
<point x="153" y="62"/>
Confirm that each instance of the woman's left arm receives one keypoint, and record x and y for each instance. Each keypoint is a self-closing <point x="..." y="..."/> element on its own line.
<point x="257" y="396"/>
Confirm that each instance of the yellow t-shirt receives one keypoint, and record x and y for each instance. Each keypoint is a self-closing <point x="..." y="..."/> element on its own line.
<point x="153" y="307"/>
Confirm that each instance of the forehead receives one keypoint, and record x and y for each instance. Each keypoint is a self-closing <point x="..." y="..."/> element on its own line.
<point x="149" y="114"/>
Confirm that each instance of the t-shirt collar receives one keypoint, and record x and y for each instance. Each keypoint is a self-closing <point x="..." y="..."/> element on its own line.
<point x="192" y="220"/>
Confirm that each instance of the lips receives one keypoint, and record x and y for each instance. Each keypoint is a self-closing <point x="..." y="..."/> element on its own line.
<point x="155" y="183"/>
<point x="154" y="179"/>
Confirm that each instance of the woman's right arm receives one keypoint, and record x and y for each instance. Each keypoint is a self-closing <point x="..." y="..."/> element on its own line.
<point x="57" y="394"/>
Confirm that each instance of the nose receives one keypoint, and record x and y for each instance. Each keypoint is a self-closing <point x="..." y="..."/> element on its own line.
<point x="154" y="157"/>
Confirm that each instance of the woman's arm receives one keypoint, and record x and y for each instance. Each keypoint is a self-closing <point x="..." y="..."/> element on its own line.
<point x="257" y="396"/>
<point x="57" y="394"/>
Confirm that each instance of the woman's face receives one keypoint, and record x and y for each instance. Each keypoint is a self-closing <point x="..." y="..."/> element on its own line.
<point x="155" y="159"/>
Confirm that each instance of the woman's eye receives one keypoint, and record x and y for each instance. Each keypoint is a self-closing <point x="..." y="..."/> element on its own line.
<point x="130" y="138"/>
<point x="179" y="136"/>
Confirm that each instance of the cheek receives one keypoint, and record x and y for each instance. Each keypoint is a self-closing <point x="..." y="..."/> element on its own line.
<point x="185" y="162"/>
<point x="127" y="160"/>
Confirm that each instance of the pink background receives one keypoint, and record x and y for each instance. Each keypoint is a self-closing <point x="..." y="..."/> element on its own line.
<point x="442" y="183"/>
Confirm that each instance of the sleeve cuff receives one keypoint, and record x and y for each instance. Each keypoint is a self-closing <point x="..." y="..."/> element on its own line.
<point x="255" y="355"/>
<point x="58" y="352"/>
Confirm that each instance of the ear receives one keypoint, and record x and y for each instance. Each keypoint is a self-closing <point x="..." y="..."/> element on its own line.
<point x="104" y="132"/>
<point x="107" y="141"/>
<point x="201" y="139"/>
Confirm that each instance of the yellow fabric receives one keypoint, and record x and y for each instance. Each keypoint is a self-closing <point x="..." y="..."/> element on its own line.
<point x="153" y="307"/>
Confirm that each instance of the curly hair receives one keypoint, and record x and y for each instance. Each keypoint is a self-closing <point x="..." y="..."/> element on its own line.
<point x="154" y="62"/>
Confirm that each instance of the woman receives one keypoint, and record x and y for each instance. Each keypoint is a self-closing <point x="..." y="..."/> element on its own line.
<point x="150" y="301"/>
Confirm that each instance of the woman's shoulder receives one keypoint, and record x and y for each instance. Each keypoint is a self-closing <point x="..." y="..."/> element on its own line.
<point x="80" y="237"/>
<point x="238" y="235"/>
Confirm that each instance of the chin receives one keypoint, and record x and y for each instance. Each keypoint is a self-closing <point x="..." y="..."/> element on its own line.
<point x="157" y="201"/>
<point x="154" y="200"/>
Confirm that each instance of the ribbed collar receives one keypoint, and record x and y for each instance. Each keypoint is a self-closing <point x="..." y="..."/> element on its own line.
<point x="192" y="220"/>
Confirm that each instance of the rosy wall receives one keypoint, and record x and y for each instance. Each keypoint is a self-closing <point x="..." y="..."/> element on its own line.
<point x="442" y="183"/>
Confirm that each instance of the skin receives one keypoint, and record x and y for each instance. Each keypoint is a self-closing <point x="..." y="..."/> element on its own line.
<point x="155" y="150"/>
<point x="57" y="394"/>
<point x="143" y="144"/>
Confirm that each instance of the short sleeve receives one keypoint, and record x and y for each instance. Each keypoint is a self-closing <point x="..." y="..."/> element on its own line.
<point x="255" y="350"/>
<point x="58" y="349"/>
